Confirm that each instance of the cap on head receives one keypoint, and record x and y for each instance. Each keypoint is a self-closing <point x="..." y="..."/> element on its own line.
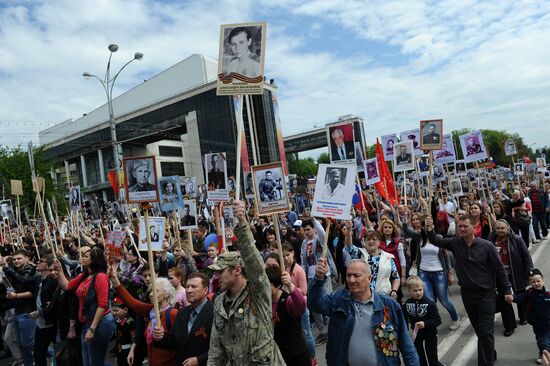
<point x="141" y="162"/>
<point x="227" y="259"/>
<point x="297" y="223"/>
<point x="535" y="272"/>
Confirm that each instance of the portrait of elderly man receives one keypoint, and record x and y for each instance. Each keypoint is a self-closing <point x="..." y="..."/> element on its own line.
<point x="430" y="136"/>
<point x="340" y="148"/>
<point x="334" y="190"/>
<point x="141" y="171"/>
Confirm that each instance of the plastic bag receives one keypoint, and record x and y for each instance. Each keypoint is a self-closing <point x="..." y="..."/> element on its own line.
<point x="70" y="354"/>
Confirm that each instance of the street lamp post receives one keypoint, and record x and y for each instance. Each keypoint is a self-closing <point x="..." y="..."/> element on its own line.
<point x="108" y="83"/>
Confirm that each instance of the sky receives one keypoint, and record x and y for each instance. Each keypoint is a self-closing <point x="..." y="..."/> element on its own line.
<point x="475" y="64"/>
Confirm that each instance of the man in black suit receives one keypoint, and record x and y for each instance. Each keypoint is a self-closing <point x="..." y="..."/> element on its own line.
<point x="190" y="333"/>
<point x="341" y="149"/>
<point x="187" y="219"/>
<point x="216" y="176"/>
<point x="403" y="157"/>
<point x="430" y="137"/>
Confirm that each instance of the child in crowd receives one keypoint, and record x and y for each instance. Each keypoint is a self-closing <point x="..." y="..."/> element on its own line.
<point x="424" y="318"/>
<point x="538" y="310"/>
<point x="125" y="331"/>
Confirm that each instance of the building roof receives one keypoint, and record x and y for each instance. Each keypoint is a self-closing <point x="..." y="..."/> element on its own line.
<point x="192" y="72"/>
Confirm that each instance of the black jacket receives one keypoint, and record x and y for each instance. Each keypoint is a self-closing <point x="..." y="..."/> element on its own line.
<point x="422" y="310"/>
<point x="23" y="280"/>
<point x="538" y="307"/>
<point x="195" y="344"/>
<point x="520" y="260"/>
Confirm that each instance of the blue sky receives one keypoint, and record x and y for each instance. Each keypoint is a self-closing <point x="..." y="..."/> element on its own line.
<point x="476" y="64"/>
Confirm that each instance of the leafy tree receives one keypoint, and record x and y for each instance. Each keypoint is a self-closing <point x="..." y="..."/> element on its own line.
<point x="302" y="167"/>
<point x="14" y="164"/>
<point x="324" y="158"/>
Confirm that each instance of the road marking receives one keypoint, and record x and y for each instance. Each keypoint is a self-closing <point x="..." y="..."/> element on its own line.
<point x="450" y="340"/>
<point x="469" y="350"/>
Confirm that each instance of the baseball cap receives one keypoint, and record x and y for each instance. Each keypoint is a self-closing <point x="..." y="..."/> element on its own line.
<point x="535" y="272"/>
<point x="227" y="259"/>
<point x="297" y="223"/>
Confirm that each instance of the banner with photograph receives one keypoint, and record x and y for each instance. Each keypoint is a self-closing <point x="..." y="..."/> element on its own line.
<point x="414" y="137"/>
<point x="140" y="179"/>
<point x="188" y="215"/>
<point x="215" y="166"/>
<point x="431" y="136"/>
<point x="156" y="230"/>
<point x="423" y="165"/>
<point x="7" y="213"/>
<point x="341" y="138"/>
<point x="447" y="153"/>
<point x="170" y="193"/>
<point x="519" y="168"/>
<point x="75" y="199"/>
<point x="241" y="59"/>
<point x="460" y="168"/>
<point x="188" y="186"/>
<point x="455" y="187"/>
<point x="403" y="156"/>
<point x="270" y="188"/>
<point x="472" y="146"/>
<point x="334" y="191"/>
<point x="387" y="145"/>
<point x="114" y="241"/>
<point x="372" y="174"/>
<point x="510" y="147"/>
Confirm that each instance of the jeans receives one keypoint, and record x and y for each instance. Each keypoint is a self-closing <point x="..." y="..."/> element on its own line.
<point x="42" y="339"/>
<point x="480" y="306"/>
<point x="540" y="218"/>
<point x="308" y="335"/>
<point x="435" y="283"/>
<point x="24" y="326"/>
<point x="95" y="352"/>
<point x="318" y="319"/>
<point x="543" y="339"/>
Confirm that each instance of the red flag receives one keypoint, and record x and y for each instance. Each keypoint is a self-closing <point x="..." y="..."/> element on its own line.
<point x="386" y="182"/>
<point x="113" y="179"/>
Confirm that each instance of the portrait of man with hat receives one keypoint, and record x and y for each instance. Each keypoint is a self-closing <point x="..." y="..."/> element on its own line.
<point x="141" y="171"/>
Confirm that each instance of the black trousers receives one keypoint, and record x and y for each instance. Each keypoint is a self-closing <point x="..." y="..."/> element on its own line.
<point x="507" y="313"/>
<point x="42" y="339"/>
<point x="480" y="306"/>
<point x="426" y="347"/>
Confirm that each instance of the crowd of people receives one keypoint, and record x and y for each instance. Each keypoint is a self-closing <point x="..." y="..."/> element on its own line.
<point x="367" y="286"/>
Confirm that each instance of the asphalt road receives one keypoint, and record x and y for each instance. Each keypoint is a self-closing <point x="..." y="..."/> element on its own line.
<point x="459" y="347"/>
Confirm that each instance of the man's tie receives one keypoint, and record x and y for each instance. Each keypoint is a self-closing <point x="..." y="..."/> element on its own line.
<point x="342" y="155"/>
<point x="192" y="319"/>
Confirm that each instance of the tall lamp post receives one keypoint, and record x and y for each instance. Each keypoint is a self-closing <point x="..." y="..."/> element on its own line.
<point x="108" y="83"/>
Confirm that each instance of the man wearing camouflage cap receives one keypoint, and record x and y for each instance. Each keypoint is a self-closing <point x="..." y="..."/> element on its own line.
<point x="242" y="333"/>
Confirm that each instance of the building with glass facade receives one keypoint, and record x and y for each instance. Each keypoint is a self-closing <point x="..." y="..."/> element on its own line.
<point x="175" y="116"/>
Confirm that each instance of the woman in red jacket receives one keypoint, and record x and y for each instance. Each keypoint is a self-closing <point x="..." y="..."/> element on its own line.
<point x="166" y="295"/>
<point x="92" y="290"/>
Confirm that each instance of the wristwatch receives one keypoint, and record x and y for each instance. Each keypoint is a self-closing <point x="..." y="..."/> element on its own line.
<point x="92" y="329"/>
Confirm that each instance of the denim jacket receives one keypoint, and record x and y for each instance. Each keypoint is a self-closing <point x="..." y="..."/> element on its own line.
<point x="338" y="306"/>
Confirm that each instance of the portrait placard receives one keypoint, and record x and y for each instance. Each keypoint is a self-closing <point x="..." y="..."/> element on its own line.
<point x="140" y="179"/>
<point x="431" y="136"/>
<point x="473" y="147"/>
<point x="215" y="166"/>
<point x="170" y="193"/>
<point x="447" y="152"/>
<point x="334" y="190"/>
<point x="188" y="215"/>
<point x="241" y="59"/>
<point x="460" y="168"/>
<point x="359" y="157"/>
<point x="16" y="187"/>
<point x="156" y="230"/>
<point x="114" y="241"/>
<point x="423" y="165"/>
<point x="228" y="218"/>
<point x="541" y="163"/>
<point x="188" y="187"/>
<point x="270" y="188"/>
<point x="455" y="187"/>
<point x="117" y="212"/>
<point x="371" y="170"/>
<point x="75" y="199"/>
<point x="414" y="137"/>
<point x="510" y="147"/>
<point x="403" y="156"/>
<point x="518" y="167"/>
<point x="341" y="138"/>
<point x="248" y="185"/>
<point x="387" y="144"/>
<point x="6" y="212"/>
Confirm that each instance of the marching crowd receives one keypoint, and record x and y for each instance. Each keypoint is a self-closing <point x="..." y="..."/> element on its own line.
<point x="367" y="286"/>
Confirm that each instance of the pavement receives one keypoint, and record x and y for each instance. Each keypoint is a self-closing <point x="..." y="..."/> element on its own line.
<point x="459" y="347"/>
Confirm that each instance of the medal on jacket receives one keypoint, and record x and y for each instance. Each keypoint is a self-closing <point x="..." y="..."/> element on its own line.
<point x="384" y="336"/>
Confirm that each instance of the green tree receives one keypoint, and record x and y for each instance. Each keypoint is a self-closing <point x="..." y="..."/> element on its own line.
<point x="324" y="158"/>
<point x="302" y="167"/>
<point x="14" y="164"/>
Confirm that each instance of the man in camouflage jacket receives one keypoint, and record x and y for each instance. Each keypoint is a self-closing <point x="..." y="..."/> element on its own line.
<point x="242" y="333"/>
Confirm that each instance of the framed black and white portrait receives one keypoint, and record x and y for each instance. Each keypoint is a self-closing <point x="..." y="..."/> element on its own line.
<point x="140" y="179"/>
<point x="215" y="166"/>
<point x="431" y="134"/>
<point x="270" y="188"/>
